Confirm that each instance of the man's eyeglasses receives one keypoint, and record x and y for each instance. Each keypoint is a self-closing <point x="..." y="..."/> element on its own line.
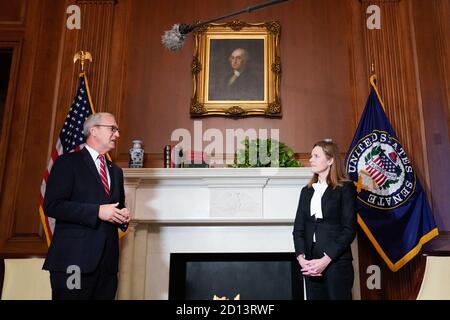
<point x="113" y="128"/>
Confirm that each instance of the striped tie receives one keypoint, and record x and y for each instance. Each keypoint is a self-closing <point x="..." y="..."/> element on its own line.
<point x="103" y="175"/>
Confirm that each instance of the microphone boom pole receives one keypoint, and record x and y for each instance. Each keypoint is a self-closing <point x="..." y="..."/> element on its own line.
<point x="174" y="39"/>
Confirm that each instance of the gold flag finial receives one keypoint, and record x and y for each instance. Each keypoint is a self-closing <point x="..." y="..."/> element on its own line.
<point x="82" y="56"/>
<point x="372" y="68"/>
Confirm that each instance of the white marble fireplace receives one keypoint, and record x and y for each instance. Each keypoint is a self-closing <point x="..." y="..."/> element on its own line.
<point x="203" y="210"/>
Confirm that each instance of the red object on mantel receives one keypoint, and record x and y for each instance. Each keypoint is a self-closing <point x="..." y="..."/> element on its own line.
<point x="196" y="157"/>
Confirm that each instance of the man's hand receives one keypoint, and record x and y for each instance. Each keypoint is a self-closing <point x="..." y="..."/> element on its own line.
<point x="110" y="212"/>
<point x="126" y="214"/>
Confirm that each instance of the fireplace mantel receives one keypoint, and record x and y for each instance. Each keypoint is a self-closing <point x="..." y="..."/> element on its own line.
<point x="203" y="210"/>
<point x="214" y="195"/>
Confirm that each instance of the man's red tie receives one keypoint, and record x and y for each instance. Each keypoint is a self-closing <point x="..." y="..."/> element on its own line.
<point x="103" y="175"/>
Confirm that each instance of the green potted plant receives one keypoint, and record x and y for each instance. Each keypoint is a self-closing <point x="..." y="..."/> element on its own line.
<point x="258" y="153"/>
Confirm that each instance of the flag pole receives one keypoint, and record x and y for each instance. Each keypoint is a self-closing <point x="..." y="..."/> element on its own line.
<point x="373" y="83"/>
<point x="373" y="76"/>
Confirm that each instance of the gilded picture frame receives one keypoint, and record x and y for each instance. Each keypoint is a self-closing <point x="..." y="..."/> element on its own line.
<point x="236" y="70"/>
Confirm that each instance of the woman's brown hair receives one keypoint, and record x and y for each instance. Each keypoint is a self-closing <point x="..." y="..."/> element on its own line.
<point x="337" y="176"/>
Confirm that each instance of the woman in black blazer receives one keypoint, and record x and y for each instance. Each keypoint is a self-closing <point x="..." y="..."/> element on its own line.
<point x="325" y="226"/>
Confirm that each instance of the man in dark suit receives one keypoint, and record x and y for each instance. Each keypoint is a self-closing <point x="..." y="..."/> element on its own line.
<point x="85" y="194"/>
<point x="241" y="84"/>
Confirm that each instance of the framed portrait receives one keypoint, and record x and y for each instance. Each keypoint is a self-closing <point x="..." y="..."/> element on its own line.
<point x="236" y="69"/>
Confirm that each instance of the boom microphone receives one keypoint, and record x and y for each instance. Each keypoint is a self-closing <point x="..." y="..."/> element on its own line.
<point x="174" y="39"/>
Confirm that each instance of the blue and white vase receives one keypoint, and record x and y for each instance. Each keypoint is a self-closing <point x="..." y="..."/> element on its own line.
<point x="136" y="155"/>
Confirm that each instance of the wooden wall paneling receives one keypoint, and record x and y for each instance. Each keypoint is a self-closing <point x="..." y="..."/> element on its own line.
<point x="116" y="75"/>
<point x="431" y="22"/>
<point x="441" y="201"/>
<point x="12" y="13"/>
<point x="360" y="74"/>
<point x="15" y="46"/>
<point x="157" y="82"/>
<point x="27" y="142"/>
<point x="17" y="228"/>
<point x="6" y="217"/>
<point x="317" y="82"/>
<point x="444" y="22"/>
<point x="401" y="285"/>
<point x="95" y="37"/>
<point x="68" y="77"/>
<point x="44" y="79"/>
<point x="392" y="50"/>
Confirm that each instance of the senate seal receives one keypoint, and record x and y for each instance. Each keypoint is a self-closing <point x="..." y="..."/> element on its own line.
<point x="381" y="170"/>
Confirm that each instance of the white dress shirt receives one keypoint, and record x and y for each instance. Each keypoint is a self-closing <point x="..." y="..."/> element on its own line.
<point x="94" y="154"/>
<point x="316" y="201"/>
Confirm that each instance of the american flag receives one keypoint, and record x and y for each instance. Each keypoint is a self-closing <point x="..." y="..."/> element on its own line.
<point x="381" y="168"/>
<point x="70" y="139"/>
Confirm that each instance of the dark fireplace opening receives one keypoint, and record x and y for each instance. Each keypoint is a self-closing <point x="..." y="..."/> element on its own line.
<point x="254" y="276"/>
